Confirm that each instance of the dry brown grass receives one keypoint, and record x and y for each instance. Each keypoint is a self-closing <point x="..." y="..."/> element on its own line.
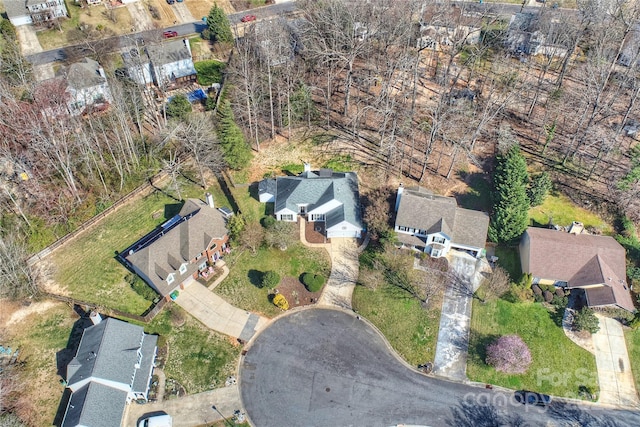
<point x="167" y="15"/>
<point x="201" y="8"/>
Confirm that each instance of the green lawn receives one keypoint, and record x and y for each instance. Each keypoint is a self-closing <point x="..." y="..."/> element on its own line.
<point x="559" y="366"/>
<point x="509" y="259"/>
<point x="241" y="289"/>
<point x="86" y="267"/>
<point x="563" y="212"/>
<point x="248" y="204"/>
<point x="411" y="330"/>
<point x="199" y="359"/>
<point x="39" y="337"/>
<point x="633" y="346"/>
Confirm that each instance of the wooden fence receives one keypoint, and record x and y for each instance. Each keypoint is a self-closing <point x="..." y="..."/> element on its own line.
<point x="143" y="190"/>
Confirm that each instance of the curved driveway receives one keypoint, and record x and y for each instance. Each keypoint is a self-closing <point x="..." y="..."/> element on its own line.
<point x="324" y="367"/>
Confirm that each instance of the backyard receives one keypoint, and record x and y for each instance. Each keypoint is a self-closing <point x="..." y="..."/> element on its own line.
<point x="86" y="268"/>
<point x="550" y="349"/>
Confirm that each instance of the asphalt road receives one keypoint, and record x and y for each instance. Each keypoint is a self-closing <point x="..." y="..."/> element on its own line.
<point x="323" y="367"/>
<point x="76" y="51"/>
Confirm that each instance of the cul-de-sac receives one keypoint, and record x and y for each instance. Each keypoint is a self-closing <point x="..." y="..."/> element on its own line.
<point x="335" y="213"/>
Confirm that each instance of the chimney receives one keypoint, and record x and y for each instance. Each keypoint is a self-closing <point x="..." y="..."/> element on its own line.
<point x="399" y="195"/>
<point x="576" y="228"/>
<point x="209" y="198"/>
<point x="95" y="317"/>
<point x="307" y="167"/>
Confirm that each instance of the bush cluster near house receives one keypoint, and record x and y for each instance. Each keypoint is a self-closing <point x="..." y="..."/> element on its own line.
<point x="141" y="287"/>
<point x="281" y="302"/>
<point x="585" y="320"/>
<point x="209" y="72"/>
<point x="313" y="282"/>
<point x="270" y="279"/>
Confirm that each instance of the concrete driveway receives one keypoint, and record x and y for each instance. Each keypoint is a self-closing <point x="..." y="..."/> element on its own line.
<point x="217" y="314"/>
<point x="182" y="12"/>
<point x="453" y="336"/>
<point x="140" y="18"/>
<point x="344" y="273"/>
<point x="614" y="369"/>
<point x="190" y="411"/>
<point x="326" y="367"/>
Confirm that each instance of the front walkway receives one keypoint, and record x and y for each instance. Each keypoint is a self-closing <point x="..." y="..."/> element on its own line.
<point x="614" y="369"/>
<point x="453" y="336"/>
<point x="192" y="410"/>
<point x="217" y="314"/>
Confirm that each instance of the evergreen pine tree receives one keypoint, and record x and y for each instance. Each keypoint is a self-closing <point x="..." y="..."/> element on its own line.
<point x="510" y="200"/>
<point x="237" y="153"/>
<point x="218" y="24"/>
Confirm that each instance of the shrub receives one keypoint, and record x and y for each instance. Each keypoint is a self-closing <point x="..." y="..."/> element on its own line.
<point x="559" y="302"/>
<point x="270" y="279"/>
<point x="140" y="287"/>
<point x="509" y="354"/>
<point x="560" y="292"/>
<point x="536" y="290"/>
<point x="313" y="282"/>
<point x="586" y="320"/>
<point x="548" y="296"/>
<point x="268" y="221"/>
<point x="178" y="107"/>
<point x="281" y="302"/>
<point x="539" y="186"/>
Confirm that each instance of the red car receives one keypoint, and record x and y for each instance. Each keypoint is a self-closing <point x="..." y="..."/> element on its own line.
<point x="248" y="18"/>
<point x="169" y="34"/>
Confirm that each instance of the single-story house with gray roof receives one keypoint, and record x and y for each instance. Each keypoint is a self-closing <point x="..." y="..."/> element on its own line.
<point x="435" y="224"/>
<point x="112" y="366"/>
<point x="570" y="260"/>
<point x="319" y="196"/>
<point x="172" y="256"/>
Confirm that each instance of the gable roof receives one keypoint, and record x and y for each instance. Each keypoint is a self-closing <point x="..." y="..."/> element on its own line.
<point x="423" y="210"/>
<point x="84" y="74"/>
<point x="318" y="189"/>
<point x="113" y="359"/>
<point x="95" y="405"/>
<point x="16" y="8"/>
<point x="187" y="236"/>
<point x="580" y="260"/>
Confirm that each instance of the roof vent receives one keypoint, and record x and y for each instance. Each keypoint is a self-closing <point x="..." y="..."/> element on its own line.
<point x="576" y="228"/>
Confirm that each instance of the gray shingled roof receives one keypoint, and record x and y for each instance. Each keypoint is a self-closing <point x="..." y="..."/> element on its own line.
<point x="267" y="186"/>
<point x="315" y="191"/>
<point x="95" y="405"/>
<point x="424" y="210"/>
<point x="83" y="74"/>
<point x="580" y="260"/>
<point x="143" y="374"/>
<point x="168" y="52"/>
<point x="16" y="8"/>
<point x="181" y="243"/>
<point x="108" y="351"/>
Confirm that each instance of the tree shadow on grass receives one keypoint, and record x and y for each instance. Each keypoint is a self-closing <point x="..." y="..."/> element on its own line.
<point x="255" y="277"/>
<point x="478" y="197"/>
<point x="478" y="344"/>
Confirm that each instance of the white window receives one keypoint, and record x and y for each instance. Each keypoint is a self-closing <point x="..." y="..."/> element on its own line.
<point x="286" y="217"/>
<point x="402" y="228"/>
<point x="183" y="268"/>
<point x="202" y="266"/>
<point x="170" y="278"/>
<point x="438" y="239"/>
<point x="435" y="253"/>
<point x="302" y="210"/>
<point x="317" y="217"/>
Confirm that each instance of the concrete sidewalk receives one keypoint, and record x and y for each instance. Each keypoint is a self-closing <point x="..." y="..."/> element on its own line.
<point x="617" y="386"/>
<point x="453" y="336"/>
<point x="219" y="315"/>
<point x="193" y="410"/>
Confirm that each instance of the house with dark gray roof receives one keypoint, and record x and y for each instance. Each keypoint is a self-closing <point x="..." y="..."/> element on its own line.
<point x="573" y="260"/>
<point x="435" y="224"/>
<point x="164" y="64"/>
<point x="86" y="85"/>
<point x="112" y="366"/>
<point x="318" y="196"/>
<point x="172" y="255"/>
<point x="25" y="12"/>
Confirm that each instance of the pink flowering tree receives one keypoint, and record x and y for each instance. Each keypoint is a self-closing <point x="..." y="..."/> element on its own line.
<point x="509" y="354"/>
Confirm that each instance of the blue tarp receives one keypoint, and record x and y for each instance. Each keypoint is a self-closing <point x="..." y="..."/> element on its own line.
<point x="197" y="95"/>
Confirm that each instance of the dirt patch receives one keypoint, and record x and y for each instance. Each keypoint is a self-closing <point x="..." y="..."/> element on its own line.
<point x="295" y="292"/>
<point x="23" y="312"/>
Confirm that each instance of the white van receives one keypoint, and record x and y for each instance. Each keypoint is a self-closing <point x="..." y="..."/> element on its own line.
<point x="156" y="421"/>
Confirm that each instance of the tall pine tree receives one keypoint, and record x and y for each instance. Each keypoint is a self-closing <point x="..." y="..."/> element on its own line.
<point x="237" y="153"/>
<point x="218" y="24"/>
<point x="510" y="202"/>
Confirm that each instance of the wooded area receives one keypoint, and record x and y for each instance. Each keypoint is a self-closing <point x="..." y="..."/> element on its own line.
<point x="414" y="88"/>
